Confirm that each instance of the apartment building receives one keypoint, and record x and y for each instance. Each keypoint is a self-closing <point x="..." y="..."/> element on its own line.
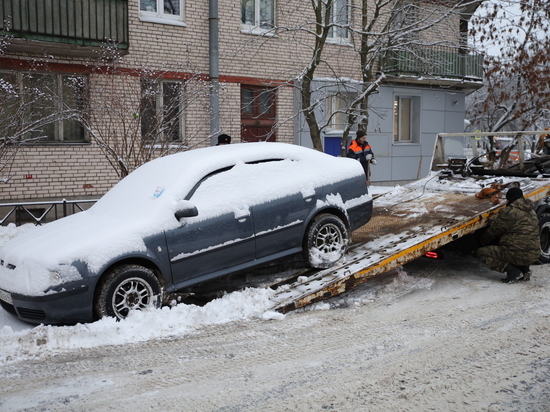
<point x="103" y="85"/>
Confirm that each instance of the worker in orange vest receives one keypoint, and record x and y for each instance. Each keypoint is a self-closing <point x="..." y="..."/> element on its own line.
<point x="360" y="149"/>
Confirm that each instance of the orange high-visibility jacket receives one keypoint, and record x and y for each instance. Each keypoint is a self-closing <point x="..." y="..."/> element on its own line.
<point x="360" y="152"/>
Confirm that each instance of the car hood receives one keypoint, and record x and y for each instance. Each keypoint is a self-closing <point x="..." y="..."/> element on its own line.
<point x="94" y="239"/>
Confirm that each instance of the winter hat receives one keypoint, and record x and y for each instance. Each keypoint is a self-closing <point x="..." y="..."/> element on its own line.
<point x="224" y="139"/>
<point x="514" y="193"/>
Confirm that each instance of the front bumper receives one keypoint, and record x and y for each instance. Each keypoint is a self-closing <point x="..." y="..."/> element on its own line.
<point x="70" y="306"/>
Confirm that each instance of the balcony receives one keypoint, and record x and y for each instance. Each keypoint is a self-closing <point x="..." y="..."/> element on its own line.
<point x="444" y="64"/>
<point x="66" y="27"/>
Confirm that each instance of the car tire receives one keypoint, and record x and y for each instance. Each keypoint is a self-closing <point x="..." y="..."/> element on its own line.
<point x="544" y="230"/>
<point x="127" y="288"/>
<point x="326" y="241"/>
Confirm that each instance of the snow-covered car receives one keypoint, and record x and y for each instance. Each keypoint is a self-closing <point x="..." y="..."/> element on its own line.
<point x="181" y="220"/>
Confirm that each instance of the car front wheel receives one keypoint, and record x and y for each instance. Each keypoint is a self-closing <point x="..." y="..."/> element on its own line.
<point x="326" y="241"/>
<point x="127" y="288"/>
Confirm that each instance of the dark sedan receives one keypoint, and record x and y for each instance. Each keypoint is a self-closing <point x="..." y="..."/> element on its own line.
<point x="181" y="220"/>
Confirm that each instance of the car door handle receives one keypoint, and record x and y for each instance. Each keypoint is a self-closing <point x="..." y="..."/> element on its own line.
<point x="241" y="215"/>
<point x="308" y="195"/>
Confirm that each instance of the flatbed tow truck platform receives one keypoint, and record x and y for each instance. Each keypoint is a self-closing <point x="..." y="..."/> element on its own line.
<point x="407" y="223"/>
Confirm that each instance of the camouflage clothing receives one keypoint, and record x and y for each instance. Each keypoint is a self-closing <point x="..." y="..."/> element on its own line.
<point x="517" y="231"/>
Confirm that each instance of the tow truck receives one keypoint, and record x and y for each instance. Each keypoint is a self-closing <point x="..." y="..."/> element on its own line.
<point x="421" y="217"/>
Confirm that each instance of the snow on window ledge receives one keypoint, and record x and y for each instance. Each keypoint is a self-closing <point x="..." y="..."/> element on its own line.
<point x="256" y="30"/>
<point x="339" y="41"/>
<point x="161" y="20"/>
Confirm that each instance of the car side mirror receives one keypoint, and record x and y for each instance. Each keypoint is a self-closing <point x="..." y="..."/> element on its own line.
<point x="188" y="211"/>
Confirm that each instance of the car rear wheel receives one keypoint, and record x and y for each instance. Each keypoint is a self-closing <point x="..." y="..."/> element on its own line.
<point x="127" y="288"/>
<point x="544" y="230"/>
<point x="326" y="241"/>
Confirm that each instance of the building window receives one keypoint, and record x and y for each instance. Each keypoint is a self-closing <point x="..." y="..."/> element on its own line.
<point x="340" y="17"/>
<point x="162" y="117"/>
<point x="406" y="119"/>
<point x="406" y="17"/>
<point x="161" y="11"/>
<point x="39" y="107"/>
<point x="336" y="106"/>
<point x="257" y="15"/>
<point x="258" y="114"/>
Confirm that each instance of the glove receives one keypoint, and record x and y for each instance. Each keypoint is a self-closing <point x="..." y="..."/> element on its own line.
<point x="373" y="161"/>
<point x="369" y="156"/>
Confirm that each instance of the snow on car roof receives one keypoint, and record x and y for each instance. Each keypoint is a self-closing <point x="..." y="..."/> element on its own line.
<point x="174" y="176"/>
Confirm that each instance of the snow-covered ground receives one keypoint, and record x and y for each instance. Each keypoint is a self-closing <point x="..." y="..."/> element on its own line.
<point x="441" y="335"/>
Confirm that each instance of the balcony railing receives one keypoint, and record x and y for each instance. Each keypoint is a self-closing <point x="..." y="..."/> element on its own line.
<point x="76" y="22"/>
<point x="433" y="61"/>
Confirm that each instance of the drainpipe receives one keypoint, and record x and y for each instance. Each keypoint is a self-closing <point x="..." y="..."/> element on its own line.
<point x="213" y="20"/>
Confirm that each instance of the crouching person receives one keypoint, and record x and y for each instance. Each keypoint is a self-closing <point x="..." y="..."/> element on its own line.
<point x="515" y="232"/>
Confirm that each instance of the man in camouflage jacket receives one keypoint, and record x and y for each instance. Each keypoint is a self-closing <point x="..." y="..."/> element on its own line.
<point x="517" y="232"/>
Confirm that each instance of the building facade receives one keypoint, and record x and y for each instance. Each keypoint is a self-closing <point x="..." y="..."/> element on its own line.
<point x="94" y="88"/>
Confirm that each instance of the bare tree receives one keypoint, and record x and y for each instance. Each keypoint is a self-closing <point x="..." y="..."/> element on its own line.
<point x="401" y="27"/>
<point x="137" y="114"/>
<point x="323" y="12"/>
<point x="516" y="93"/>
<point x="386" y="28"/>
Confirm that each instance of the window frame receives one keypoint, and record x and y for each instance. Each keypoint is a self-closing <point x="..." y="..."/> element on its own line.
<point x="408" y="15"/>
<point x="331" y="115"/>
<point x="257" y="28"/>
<point x="59" y="126"/>
<point x="159" y="16"/>
<point x="413" y="127"/>
<point x="159" y="113"/>
<point x="335" y="16"/>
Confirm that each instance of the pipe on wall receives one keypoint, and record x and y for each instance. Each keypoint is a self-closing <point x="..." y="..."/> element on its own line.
<point x="213" y="28"/>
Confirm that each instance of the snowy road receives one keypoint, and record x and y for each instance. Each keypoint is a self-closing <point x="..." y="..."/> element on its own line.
<point x="444" y="336"/>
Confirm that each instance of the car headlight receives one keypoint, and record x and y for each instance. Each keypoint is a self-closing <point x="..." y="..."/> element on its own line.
<point x="55" y="278"/>
<point x="63" y="274"/>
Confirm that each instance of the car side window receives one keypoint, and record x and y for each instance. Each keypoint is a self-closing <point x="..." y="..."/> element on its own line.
<point x="242" y="186"/>
<point x="205" y="178"/>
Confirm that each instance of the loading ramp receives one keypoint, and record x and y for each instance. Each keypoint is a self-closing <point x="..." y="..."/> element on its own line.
<point x="407" y="223"/>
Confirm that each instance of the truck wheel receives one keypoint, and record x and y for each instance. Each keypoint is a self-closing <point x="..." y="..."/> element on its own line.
<point x="326" y="241"/>
<point x="127" y="288"/>
<point x="544" y="230"/>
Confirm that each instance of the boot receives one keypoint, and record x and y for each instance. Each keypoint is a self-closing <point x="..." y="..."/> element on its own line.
<point x="526" y="273"/>
<point x="513" y="273"/>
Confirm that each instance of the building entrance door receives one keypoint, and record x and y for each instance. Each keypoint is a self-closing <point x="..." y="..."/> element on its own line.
<point x="258" y="114"/>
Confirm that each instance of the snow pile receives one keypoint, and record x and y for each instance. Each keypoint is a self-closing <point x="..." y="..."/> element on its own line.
<point x="21" y="341"/>
<point x="165" y="323"/>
